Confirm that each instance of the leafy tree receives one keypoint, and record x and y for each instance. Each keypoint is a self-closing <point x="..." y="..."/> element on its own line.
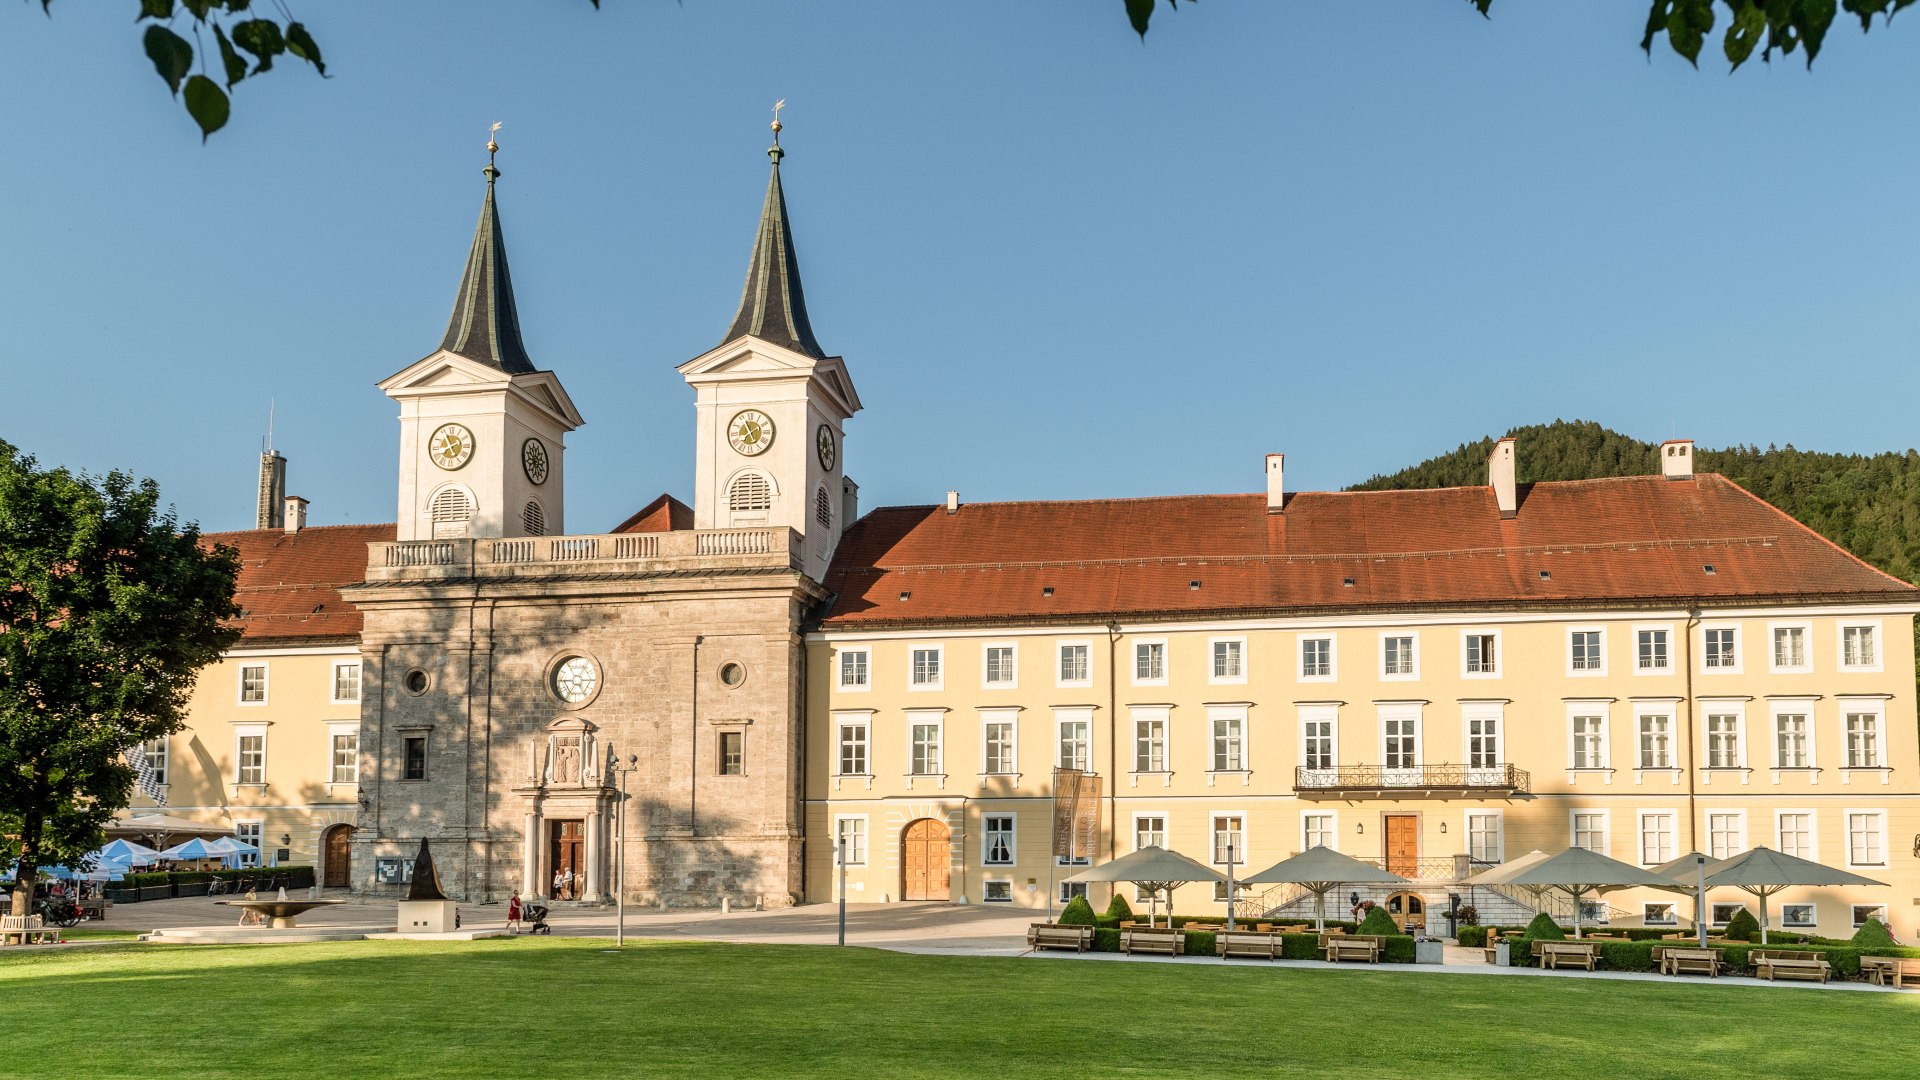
<point x="1784" y="25"/>
<point x="1545" y="928"/>
<point x="108" y="609"/>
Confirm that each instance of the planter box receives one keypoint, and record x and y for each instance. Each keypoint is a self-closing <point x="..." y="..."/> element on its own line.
<point x="191" y="888"/>
<point x="1502" y="954"/>
<point x="123" y="896"/>
<point x="1429" y="952"/>
<point x="156" y="892"/>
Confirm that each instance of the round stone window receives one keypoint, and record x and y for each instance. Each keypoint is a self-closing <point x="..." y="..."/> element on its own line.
<point x="732" y="674"/>
<point x="416" y="682"/>
<point x="576" y="679"/>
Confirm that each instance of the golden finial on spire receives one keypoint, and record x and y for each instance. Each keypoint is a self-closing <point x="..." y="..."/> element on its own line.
<point x="777" y="106"/>
<point x="493" y="147"/>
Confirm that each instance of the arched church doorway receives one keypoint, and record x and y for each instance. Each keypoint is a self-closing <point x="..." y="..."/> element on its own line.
<point x="926" y="861"/>
<point x="336" y="860"/>
<point x="1409" y="910"/>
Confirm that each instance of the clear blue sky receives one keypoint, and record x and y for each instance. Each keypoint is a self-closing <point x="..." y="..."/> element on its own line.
<point x="1060" y="264"/>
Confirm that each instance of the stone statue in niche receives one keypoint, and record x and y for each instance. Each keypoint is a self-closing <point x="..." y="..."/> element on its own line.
<point x="566" y="760"/>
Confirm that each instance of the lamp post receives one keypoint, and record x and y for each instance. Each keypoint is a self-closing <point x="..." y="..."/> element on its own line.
<point x="1230" y="893"/>
<point x="620" y="854"/>
<point x="1700" y="898"/>
<point x="842" y="853"/>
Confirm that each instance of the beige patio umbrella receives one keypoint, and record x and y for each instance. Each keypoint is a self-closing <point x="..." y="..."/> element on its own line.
<point x="1687" y="872"/>
<point x="131" y="824"/>
<point x="1764" y="871"/>
<point x="1578" y="872"/>
<point x="1153" y="869"/>
<point x="1506" y="871"/>
<point x="1320" y="870"/>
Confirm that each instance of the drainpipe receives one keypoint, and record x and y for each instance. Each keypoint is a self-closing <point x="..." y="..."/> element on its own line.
<point x="693" y="747"/>
<point x="1693" y="829"/>
<point x="1113" y="743"/>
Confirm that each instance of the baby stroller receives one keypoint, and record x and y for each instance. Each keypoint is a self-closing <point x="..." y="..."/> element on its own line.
<point x="537" y="919"/>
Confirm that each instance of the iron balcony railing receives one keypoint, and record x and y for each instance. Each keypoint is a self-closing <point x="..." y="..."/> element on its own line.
<point x="1499" y="778"/>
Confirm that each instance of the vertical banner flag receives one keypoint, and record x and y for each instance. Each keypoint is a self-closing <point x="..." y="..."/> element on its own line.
<point x="1066" y="784"/>
<point x="1086" y="815"/>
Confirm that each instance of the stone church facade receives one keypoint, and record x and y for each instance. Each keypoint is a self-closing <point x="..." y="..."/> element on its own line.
<point x="517" y="678"/>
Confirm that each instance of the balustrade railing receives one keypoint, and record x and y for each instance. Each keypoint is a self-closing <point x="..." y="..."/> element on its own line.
<point x="1445" y="777"/>
<point x="396" y="559"/>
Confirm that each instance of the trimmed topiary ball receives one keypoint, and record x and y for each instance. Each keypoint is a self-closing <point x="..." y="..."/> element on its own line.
<point x="1872" y="933"/>
<point x="1378" y="922"/>
<point x="1119" y="908"/>
<point x="1077" y="913"/>
<point x="1543" y="926"/>
<point x="1742" y="927"/>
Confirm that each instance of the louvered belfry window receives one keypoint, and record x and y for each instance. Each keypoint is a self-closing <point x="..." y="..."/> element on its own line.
<point x="750" y="492"/>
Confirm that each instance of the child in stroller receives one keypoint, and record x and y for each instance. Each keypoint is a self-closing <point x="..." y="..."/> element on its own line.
<point x="537" y="918"/>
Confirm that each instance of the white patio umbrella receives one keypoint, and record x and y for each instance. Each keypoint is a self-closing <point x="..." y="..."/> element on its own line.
<point x="1504" y="873"/>
<point x="1578" y="872"/>
<point x="1153" y="869"/>
<point x="126" y="851"/>
<point x="1320" y="870"/>
<point x="1690" y="872"/>
<point x="1764" y="871"/>
<point x="195" y="848"/>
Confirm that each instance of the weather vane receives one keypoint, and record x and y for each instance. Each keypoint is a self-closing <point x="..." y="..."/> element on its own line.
<point x="493" y="147"/>
<point x="777" y="106"/>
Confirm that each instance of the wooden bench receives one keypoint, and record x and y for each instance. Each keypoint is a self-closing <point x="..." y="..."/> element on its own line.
<point x="29" y="929"/>
<point x="1558" y="954"/>
<point x="1056" y="936"/>
<point x="1684" y="960"/>
<point x="1493" y="945"/>
<point x="1344" y="947"/>
<point x="1772" y="967"/>
<point x="1159" y="940"/>
<point x="1252" y="944"/>
<point x="1889" y="970"/>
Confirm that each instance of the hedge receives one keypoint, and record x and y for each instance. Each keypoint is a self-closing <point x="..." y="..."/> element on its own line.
<point x="1471" y="937"/>
<point x="295" y="877"/>
<point x="1638" y="955"/>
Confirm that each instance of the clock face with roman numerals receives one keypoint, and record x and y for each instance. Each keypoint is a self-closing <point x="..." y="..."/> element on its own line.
<point x="533" y="458"/>
<point x="750" y="432"/>
<point x="825" y="445"/>
<point x="451" y="446"/>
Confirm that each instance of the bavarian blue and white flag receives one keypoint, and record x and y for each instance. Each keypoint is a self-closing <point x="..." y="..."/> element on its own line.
<point x="145" y="776"/>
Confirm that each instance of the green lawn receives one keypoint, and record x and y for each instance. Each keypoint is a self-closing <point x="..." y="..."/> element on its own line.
<point x="552" y="1008"/>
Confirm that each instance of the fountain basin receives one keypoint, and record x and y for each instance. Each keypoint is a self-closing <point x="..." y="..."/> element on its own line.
<point x="282" y="912"/>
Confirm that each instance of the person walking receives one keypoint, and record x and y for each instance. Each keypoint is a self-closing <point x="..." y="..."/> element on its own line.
<point x="513" y="913"/>
<point x="567" y="883"/>
<point x="557" y="882"/>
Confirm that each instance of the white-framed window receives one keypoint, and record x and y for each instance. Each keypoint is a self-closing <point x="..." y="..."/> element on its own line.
<point x="997" y="846"/>
<point x="1652" y="650"/>
<point x="1793" y="736"/>
<point x="1228" y="730"/>
<point x="856" y="669"/>
<point x="1726" y="833"/>
<point x="1863" y="912"/>
<point x="1149" y="830"/>
<point x="1789" y="652"/>
<point x="1866" y="838"/>
<point x="253" y="684"/>
<point x="154" y="751"/>
<point x="1655" y="737"/>
<point x="1071" y="889"/>
<point x="1400" y="737"/>
<point x="1589" y="829"/>
<point x="1319" y="747"/>
<point x="1863" y="737"/>
<point x="1484" y="841"/>
<point x="996" y="891"/>
<point x="1860" y="646"/>
<point x="1587" y="735"/>
<point x="1075" y="666"/>
<point x="1657" y="831"/>
<point x="1659" y="913"/>
<point x="1484" y="721"/>
<point x="250" y="755"/>
<point x="1399" y="656"/>
<point x="346" y="682"/>
<point x="1587" y="651"/>
<point x="1721" y="914"/>
<point x="1150" y="663"/>
<point x="1318" y="828"/>
<point x="1150" y="741"/>
<point x="1725" y="747"/>
<point x="1720" y="649"/>
<point x="850" y="838"/>
<point x="1229" y="660"/>
<point x="252" y="833"/>
<point x="1000" y="663"/>
<point x="924" y="744"/>
<point x="1795" y="834"/>
<point x="1076" y="738"/>
<point x="1317" y="659"/>
<point x="1798" y="916"/>
<point x="1229" y="836"/>
<point x="851" y="733"/>
<point x="927" y="667"/>
<point x="999" y="742"/>
<point x="1480" y="654"/>
<point x="344" y="748"/>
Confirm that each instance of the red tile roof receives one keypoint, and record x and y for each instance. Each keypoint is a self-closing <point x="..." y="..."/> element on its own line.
<point x="290" y="582"/>
<point x="1627" y="540"/>
<point x="664" y="514"/>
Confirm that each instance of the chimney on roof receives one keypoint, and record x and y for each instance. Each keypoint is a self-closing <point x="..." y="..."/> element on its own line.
<point x="296" y="514"/>
<point x="1276" y="491"/>
<point x="1500" y="471"/>
<point x="273" y="490"/>
<point x="1676" y="459"/>
<point x="953" y="502"/>
<point x="849" y="502"/>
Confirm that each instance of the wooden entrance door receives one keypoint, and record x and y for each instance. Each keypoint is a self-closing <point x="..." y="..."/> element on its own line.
<point x="1409" y="911"/>
<point x="927" y="858"/>
<point x="336" y="858"/>
<point x="1403" y="844"/>
<point x="568" y="851"/>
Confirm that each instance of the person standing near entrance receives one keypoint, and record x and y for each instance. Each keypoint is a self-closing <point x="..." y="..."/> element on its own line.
<point x="557" y="882"/>
<point x="566" y="883"/>
<point x="513" y="913"/>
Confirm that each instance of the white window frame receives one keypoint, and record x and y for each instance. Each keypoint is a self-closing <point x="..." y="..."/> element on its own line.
<point x="1846" y="836"/>
<point x="987" y="890"/>
<point x="1840" y="645"/>
<point x="1235" y="714"/>
<point x="1875" y="707"/>
<point x="1402" y="712"/>
<point x="863" y="720"/>
<point x="1742" y="840"/>
<point x="163" y="745"/>
<point x="1812" y="854"/>
<point x="256" y="828"/>
<point x="335" y="731"/>
<point x="1483" y="712"/>
<point x="1642" y="712"/>
<point x="1333" y="828"/>
<point x="1653" y="628"/>
<point x="986" y="671"/>
<point x="1779" y="707"/>
<point x="1013" y="838"/>
<point x="240" y="685"/>
<point x="1813" y="916"/>
<point x="1214" y="679"/>
<point x="1646" y="913"/>
<point x="242" y="732"/>
<point x="1590" y="708"/>
<point x="1853" y="913"/>
<point x="1239" y="848"/>
<point x="1166" y="661"/>
<point x="1722" y="707"/>
<point x="1499" y="647"/>
<point x="1499" y="819"/>
<point x="1641" y="832"/>
<point x="1143" y="815"/>
<point x="1059" y="651"/>
<point x="1077" y="714"/>
<point x="1413" y="647"/>
<point x="936" y="719"/>
<point x="1606" y="827"/>
<point x="913" y="668"/>
<point x="1587" y="673"/>
<point x="866" y="840"/>
<point x="333" y="682"/>
<point x="1151" y="714"/>
<point x="1011" y="718"/>
<point x="1721" y="912"/>
<point x="1806" y="648"/>
<point x="1739" y="649"/>
<point x="840" y="670"/>
<point x="1300" y="658"/>
<point x="1328" y="714"/>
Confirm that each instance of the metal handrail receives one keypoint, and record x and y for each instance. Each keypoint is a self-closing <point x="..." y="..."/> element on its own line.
<point x="1501" y="776"/>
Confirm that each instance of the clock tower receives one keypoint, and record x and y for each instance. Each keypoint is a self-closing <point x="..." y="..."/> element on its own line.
<point x="770" y="405"/>
<point x="482" y="431"/>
